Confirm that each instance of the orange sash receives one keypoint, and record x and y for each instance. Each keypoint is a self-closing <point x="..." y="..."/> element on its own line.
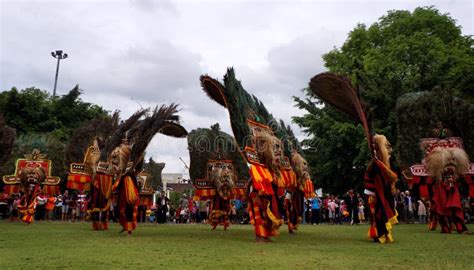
<point x="309" y="189"/>
<point x="261" y="179"/>
<point x="131" y="190"/>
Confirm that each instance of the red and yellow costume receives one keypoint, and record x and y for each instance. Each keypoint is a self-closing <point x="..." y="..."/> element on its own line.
<point x="219" y="212"/>
<point x="32" y="176"/>
<point x="127" y="201"/>
<point x="294" y="199"/>
<point x="339" y="92"/>
<point x="447" y="208"/>
<point x="378" y="184"/>
<point x="263" y="203"/>
<point x="27" y="204"/>
<point x="446" y="170"/>
<point x="298" y="187"/>
<point x="91" y="170"/>
<point x="101" y="192"/>
<point x="220" y="187"/>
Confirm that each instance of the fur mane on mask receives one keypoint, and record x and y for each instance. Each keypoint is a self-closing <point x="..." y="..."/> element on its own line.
<point x="264" y="146"/>
<point x="24" y="175"/>
<point x="381" y="150"/>
<point x="297" y="163"/>
<point x="439" y="158"/>
<point x="218" y="174"/>
<point x="92" y="158"/>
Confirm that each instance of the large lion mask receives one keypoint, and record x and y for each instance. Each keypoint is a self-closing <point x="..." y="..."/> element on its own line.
<point x="270" y="151"/>
<point x="31" y="176"/>
<point x="447" y="164"/>
<point x="119" y="159"/>
<point x="224" y="181"/>
<point x="300" y="166"/>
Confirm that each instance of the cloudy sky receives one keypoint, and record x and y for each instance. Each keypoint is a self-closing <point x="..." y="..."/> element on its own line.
<point x="130" y="53"/>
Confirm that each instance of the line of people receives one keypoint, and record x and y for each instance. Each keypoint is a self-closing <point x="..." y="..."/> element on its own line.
<point x="330" y="209"/>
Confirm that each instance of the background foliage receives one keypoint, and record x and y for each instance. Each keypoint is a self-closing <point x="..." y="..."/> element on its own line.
<point x="154" y="169"/>
<point x="212" y="143"/>
<point x="417" y="116"/>
<point x="46" y="123"/>
<point x="403" y="52"/>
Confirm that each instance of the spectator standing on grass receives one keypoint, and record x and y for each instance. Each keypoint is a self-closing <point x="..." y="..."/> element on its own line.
<point x="72" y="207"/>
<point x="65" y="208"/>
<point x="233" y="213"/>
<point x="466" y="209"/>
<point x="81" y="202"/>
<point x="162" y="208"/>
<point x="50" y="203"/>
<point x="421" y="212"/>
<point x="14" y="208"/>
<point x="400" y="204"/>
<point x="193" y="212"/>
<point x="307" y="211"/>
<point x="352" y="203"/>
<point x="331" y="209"/>
<point x="337" y="214"/>
<point x="183" y="202"/>
<point x="170" y="213"/>
<point x="58" y="207"/>
<point x="409" y="208"/>
<point x="325" y="209"/>
<point x="428" y="209"/>
<point x="315" y="210"/>
<point x="343" y="214"/>
<point x="361" y="213"/>
<point x="41" y="200"/>
<point x="177" y="214"/>
<point x="203" y="211"/>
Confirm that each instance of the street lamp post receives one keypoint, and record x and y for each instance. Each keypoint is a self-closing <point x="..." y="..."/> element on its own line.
<point x="58" y="55"/>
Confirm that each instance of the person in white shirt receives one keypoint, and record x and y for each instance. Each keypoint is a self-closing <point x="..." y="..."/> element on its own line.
<point x="421" y="212"/>
<point x="41" y="200"/>
<point x="361" y="213"/>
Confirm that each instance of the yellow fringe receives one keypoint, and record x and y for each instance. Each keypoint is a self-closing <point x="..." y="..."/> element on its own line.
<point x="130" y="190"/>
<point x="276" y="223"/>
<point x="389" y="237"/>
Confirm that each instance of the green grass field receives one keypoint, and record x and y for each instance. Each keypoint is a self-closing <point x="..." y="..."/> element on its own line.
<point x="57" y="245"/>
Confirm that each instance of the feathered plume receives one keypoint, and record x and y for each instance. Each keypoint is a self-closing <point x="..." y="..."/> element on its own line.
<point x="141" y="135"/>
<point x="213" y="89"/>
<point x="116" y="138"/>
<point x="240" y="104"/>
<point x="339" y="92"/>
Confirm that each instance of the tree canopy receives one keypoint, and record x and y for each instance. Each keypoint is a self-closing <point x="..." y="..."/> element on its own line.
<point x="46" y="123"/>
<point x="402" y="52"/>
<point x="33" y="110"/>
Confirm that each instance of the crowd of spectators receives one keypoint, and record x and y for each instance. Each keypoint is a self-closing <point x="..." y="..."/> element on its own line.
<point x="353" y="209"/>
<point x="350" y="209"/>
<point x="189" y="211"/>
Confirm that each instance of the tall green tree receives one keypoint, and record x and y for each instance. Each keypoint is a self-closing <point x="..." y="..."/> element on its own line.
<point x="7" y="139"/>
<point x="206" y="144"/>
<point x="402" y="52"/>
<point x="44" y="122"/>
<point x="33" y="110"/>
